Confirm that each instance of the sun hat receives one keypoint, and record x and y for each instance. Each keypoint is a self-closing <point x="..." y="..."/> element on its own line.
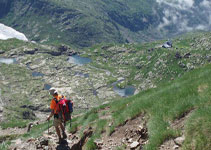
<point x="53" y="91"/>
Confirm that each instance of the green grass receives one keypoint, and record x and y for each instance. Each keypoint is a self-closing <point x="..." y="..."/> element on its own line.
<point x="14" y="123"/>
<point x="7" y="45"/>
<point x="163" y="105"/>
<point x="198" y="130"/>
<point x="4" y="145"/>
<point x="37" y="130"/>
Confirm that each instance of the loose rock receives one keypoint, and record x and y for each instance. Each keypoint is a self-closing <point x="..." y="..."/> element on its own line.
<point x="134" y="145"/>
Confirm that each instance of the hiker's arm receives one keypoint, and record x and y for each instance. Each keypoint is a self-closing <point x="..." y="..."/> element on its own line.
<point x="52" y="113"/>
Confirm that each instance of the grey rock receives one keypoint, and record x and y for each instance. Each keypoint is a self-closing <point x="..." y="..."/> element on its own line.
<point x="44" y="142"/>
<point x="1" y="51"/>
<point x="179" y="140"/>
<point x="176" y="147"/>
<point x="63" y="48"/>
<point x="187" y="55"/>
<point x="31" y="52"/>
<point x="28" y="115"/>
<point x="134" y="145"/>
<point x="178" y="56"/>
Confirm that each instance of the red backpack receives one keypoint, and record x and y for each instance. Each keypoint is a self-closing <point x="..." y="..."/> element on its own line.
<point x="65" y="108"/>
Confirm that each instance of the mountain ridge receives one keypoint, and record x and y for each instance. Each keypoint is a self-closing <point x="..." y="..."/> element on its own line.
<point x="86" y="23"/>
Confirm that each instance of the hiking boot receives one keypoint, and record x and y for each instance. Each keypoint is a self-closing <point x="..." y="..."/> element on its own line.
<point x="64" y="135"/>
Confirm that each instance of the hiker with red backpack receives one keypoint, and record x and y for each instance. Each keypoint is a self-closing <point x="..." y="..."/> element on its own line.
<point x="61" y="109"/>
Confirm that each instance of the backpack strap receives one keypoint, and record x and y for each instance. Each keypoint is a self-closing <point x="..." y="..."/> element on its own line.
<point x="55" y="100"/>
<point x="58" y="100"/>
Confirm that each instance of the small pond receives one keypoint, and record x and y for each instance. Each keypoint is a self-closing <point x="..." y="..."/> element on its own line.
<point x="124" y="92"/>
<point x="37" y="74"/>
<point x="47" y="86"/>
<point x="78" y="60"/>
<point x="8" y="60"/>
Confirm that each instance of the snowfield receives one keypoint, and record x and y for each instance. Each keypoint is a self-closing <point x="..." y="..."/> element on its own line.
<point x="8" y="33"/>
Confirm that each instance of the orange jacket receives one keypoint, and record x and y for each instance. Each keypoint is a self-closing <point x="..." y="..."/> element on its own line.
<point x="53" y="105"/>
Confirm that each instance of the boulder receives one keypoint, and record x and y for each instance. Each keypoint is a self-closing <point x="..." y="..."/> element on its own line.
<point x="179" y="140"/>
<point x="44" y="142"/>
<point x="134" y="145"/>
<point x="98" y="143"/>
<point x="178" y="56"/>
<point x="187" y="55"/>
<point x="31" y="52"/>
<point x="63" y="48"/>
<point x="1" y="51"/>
<point x="175" y="147"/>
<point x="28" y="115"/>
<point x="1" y="109"/>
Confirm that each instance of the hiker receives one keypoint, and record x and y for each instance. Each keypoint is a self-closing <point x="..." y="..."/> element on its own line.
<point x="54" y="112"/>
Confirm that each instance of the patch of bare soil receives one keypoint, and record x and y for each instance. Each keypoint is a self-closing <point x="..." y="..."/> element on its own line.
<point x="175" y="144"/>
<point x="202" y="88"/>
<point x="180" y="122"/>
<point x="12" y="131"/>
<point x="132" y="135"/>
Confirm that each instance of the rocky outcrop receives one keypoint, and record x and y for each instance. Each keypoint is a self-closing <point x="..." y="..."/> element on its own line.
<point x="31" y="52"/>
<point x="1" y="51"/>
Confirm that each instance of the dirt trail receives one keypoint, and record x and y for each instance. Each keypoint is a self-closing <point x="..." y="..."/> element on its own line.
<point x="133" y="134"/>
<point x="12" y="131"/>
<point x="49" y="141"/>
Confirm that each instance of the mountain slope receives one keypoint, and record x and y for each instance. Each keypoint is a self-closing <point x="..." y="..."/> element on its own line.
<point x="178" y="111"/>
<point x="178" y="95"/>
<point x="87" y="22"/>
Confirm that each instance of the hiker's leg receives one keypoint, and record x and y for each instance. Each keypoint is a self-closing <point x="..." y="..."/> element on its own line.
<point x="58" y="132"/>
<point x="63" y="131"/>
<point x="56" y="124"/>
<point x="62" y="127"/>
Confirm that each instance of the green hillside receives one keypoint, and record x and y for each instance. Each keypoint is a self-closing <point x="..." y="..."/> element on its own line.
<point x="84" y="23"/>
<point x="161" y="107"/>
<point x="78" y="23"/>
<point x="177" y="108"/>
<point x="173" y="87"/>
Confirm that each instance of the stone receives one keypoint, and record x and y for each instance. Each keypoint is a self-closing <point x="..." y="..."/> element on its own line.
<point x="63" y="48"/>
<point x="130" y="140"/>
<point x="187" y="55"/>
<point x="1" y="51"/>
<point x="178" y="56"/>
<point x="1" y="109"/>
<point x="106" y="102"/>
<point x="98" y="143"/>
<point x="176" y="147"/>
<point x="31" y="52"/>
<point x="28" y="115"/>
<point x="134" y="145"/>
<point x="44" y="142"/>
<point x="179" y="140"/>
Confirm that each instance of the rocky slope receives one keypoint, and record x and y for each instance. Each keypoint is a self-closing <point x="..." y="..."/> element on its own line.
<point x="87" y="22"/>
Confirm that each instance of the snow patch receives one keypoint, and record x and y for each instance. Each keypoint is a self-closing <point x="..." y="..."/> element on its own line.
<point x="8" y="33"/>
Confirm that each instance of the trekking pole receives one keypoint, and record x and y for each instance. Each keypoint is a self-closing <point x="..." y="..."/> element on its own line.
<point x="48" y="127"/>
